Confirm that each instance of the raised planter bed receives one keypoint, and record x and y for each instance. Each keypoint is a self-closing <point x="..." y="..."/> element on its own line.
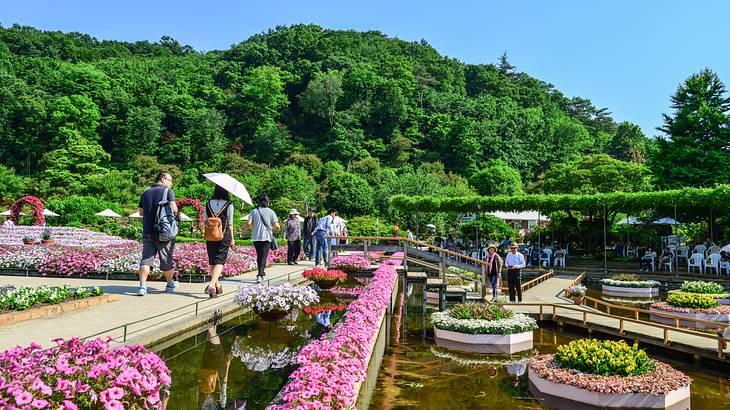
<point x="713" y="317"/>
<point x="631" y="292"/>
<point x="499" y="344"/>
<point x="50" y="310"/>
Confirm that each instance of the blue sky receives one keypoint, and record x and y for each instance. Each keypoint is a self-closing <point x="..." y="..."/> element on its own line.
<point x="628" y="56"/>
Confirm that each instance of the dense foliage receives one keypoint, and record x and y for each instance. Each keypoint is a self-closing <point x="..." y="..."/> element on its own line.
<point x="692" y="301"/>
<point x="480" y="311"/>
<point x="700" y="286"/>
<point x="604" y="357"/>
<point x="25" y="297"/>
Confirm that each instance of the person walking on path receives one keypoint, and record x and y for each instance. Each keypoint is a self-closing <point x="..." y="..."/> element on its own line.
<point x="494" y="268"/>
<point x="324" y="225"/>
<point x="151" y="203"/>
<point x="310" y="228"/>
<point x="293" y="238"/>
<point x="515" y="262"/>
<point x="263" y="222"/>
<point x="218" y="224"/>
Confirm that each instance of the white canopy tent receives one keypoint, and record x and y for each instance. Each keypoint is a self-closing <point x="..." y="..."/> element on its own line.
<point x="108" y="213"/>
<point x="135" y="215"/>
<point x="666" y="221"/>
<point x="184" y="218"/>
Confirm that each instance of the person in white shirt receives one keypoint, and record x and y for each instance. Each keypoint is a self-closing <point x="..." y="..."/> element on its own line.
<point x="324" y="227"/>
<point x="515" y="262"/>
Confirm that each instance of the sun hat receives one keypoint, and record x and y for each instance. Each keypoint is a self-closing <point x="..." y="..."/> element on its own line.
<point x="513" y="245"/>
<point x="491" y="245"/>
<point x="293" y="212"/>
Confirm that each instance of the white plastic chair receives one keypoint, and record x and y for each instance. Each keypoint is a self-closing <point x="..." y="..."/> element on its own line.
<point x="696" y="261"/>
<point x="634" y="251"/>
<point x="699" y="249"/>
<point x="670" y="264"/>
<point x="682" y="253"/>
<point x="711" y="250"/>
<point x="726" y="266"/>
<point x="559" y="260"/>
<point x="713" y="262"/>
<point x="549" y="253"/>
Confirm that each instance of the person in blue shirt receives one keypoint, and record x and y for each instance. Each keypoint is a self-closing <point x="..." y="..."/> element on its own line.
<point x="324" y="225"/>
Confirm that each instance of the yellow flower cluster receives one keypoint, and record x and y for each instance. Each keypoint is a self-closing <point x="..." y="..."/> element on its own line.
<point x="691" y="300"/>
<point x="604" y="357"/>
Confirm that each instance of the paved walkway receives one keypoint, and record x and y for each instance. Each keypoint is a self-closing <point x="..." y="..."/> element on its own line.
<point x="550" y="290"/>
<point x="128" y="308"/>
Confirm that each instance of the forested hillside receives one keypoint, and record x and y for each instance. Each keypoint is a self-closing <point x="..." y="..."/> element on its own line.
<point x="303" y="113"/>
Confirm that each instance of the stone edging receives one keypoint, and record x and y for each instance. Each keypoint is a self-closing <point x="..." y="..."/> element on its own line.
<point x="50" y="310"/>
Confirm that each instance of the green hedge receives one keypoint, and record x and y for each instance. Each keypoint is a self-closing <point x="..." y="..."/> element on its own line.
<point x="718" y="197"/>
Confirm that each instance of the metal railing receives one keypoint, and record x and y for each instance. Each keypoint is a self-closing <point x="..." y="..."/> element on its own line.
<point x="190" y="310"/>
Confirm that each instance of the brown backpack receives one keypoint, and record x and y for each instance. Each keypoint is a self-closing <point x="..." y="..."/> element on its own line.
<point x="213" y="225"/>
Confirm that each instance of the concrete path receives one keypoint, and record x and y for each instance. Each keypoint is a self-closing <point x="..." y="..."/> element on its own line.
<point x="551" y="290"/>
<point x="129" y="307"/>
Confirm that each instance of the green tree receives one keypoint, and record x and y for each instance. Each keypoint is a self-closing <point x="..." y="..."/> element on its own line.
<point x="695" y="152"/>
<point x="350" y="194"/>
<point x="497" y="178"/>
<point x="321" y="95"/>
<point x="11" y="185"/>
<point x="272" y="143"/>
<point x="290" y="182"/>
<point x="629" y="143"/>
<point x="594" y="174"/>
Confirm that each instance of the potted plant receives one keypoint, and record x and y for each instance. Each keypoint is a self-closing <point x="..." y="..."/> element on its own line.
<point x="46" y="238"/>
<point x="273" y="303"/>
<point x="325" y="279"/>
<point x="577" y="293"/>
<point x="29" y="240"/>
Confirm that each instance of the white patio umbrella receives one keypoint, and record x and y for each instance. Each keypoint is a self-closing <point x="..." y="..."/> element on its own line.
<point x="108" y="213"/>
<point x="230" y="184"/>
<point x="725" y="248"/>
<point x="47" y="212"/>
<point x="629" y="220"/>
<point x="135" y="215"/>
<point x="245" y="217"/>
<point x="184" y="218"/>
<point x="431" y="226"/>
<point x="666" y="221"/>
<point x="7" y="213"/>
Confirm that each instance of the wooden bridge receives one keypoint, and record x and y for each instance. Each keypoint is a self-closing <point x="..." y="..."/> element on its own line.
<point x="543" y="298"/>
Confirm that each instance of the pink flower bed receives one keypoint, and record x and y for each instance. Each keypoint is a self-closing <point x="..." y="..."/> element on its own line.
<point x="81" y="375"/>
<point x="660" y="381"/>
<point x="331" y="367"/>
<point x="350" y="263"/>
<point x="720" y="310"/>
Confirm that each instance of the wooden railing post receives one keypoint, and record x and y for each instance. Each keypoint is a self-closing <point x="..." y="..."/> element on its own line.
<point x="442" y="266"/>
<point x="405" y="255"/>
<point x="483" y="281"/>
<point x="365" y="249"/>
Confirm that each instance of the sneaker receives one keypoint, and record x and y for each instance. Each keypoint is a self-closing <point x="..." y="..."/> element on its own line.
<point x="258" y="279"/>
<point x="142" y="291"/>
<point x="171" y="287"/>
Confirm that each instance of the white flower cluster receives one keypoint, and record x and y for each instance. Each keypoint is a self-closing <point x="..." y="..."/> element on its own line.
<point x="259" y="359"/>
<point x="631" y="284"/>
<point x="519" y="323"/>
<point x="265" y="298"/>
<point x="61" y="235"/>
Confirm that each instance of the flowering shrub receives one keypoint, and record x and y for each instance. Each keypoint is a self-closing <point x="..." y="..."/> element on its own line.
<point x="604" y="357"/>
<point x="36" y="208"/>
<point x="663" y="379"/>
<point x="264" y="298"/>
<point x="350" y="263"/>
<point x="691" y="300"/>
<point x="576" y="290"/>
<point x="331" y="366"/>
<point x="81" y="375"/>
<point x="196" y="204"/>
<point x="718" y="310"/>
<point x="192" y="259"/>
<point x="323" y="275"/>
<point x="517" y="323"/>
<point x="702" y="287"/>
<point x="22" y="298"/>
<point x="626" y="277"/>
<point x="480" y="311"/>
<point x="631" y="283"/>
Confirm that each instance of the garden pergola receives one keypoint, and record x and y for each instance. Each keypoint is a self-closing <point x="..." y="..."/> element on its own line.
<point x="714" y="200"/>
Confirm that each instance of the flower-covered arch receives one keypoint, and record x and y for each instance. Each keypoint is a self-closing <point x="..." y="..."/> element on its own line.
<point x="36" y="208"/>
<point x="196" y="204"/>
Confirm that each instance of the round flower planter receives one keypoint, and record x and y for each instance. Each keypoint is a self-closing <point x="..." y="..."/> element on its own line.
<point x="272" y="315"/>
<point x="578" y="300"/>
<point x="47" y="241"/>
<point x="325" y="284"/>
<point x="631" y="292"/>
<point x="713" y="317"/>
<point x="28" y="242"/>
<point x="483" y="343"/>
<point x="556" y="390"/>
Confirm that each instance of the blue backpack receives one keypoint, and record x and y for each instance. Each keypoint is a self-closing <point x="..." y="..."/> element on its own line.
<point x="166" y="226"/>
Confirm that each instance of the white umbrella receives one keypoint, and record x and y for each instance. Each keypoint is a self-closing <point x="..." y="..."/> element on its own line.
<point x="46" y="212"/>
<point x="7" y="213"/>
<point x="108" y="213"/>
<point x="629" y="220"/>
<point x="183" y="217"/>
<point x="666" y="221"/>
<point x="230" y="184"/>
<point x="431" y="226"/>
<point x="135" y="215"/>
<point x="245" y="217"/>
<point x="725" y="248"/>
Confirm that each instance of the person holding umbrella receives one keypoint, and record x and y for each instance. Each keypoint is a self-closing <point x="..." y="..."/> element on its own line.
<point x="218" y="228"/>
<point x="293" y="237"/>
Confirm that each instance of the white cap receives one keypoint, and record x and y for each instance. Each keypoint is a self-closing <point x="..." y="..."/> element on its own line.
<point x="293" y="212"/>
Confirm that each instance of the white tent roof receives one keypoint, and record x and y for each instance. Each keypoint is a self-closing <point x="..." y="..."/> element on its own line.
<point x="245" y="217"/>
<point x="108" y="213"/>
<point x="519" y="216"/>
<point x="7" y="213"/>
<point x="666" y="221"/>
<point x="629" y="220"/>
<point x="46" y="212"/>
<point x="135" y="215"/>
<point x="184" y="218"/>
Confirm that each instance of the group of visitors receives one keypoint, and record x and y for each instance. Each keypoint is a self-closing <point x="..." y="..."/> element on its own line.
<point x="515" y="262"/>
<point x="158" y="208"/>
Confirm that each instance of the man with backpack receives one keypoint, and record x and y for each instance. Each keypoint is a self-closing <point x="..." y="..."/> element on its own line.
<point x="159" y="228"/>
